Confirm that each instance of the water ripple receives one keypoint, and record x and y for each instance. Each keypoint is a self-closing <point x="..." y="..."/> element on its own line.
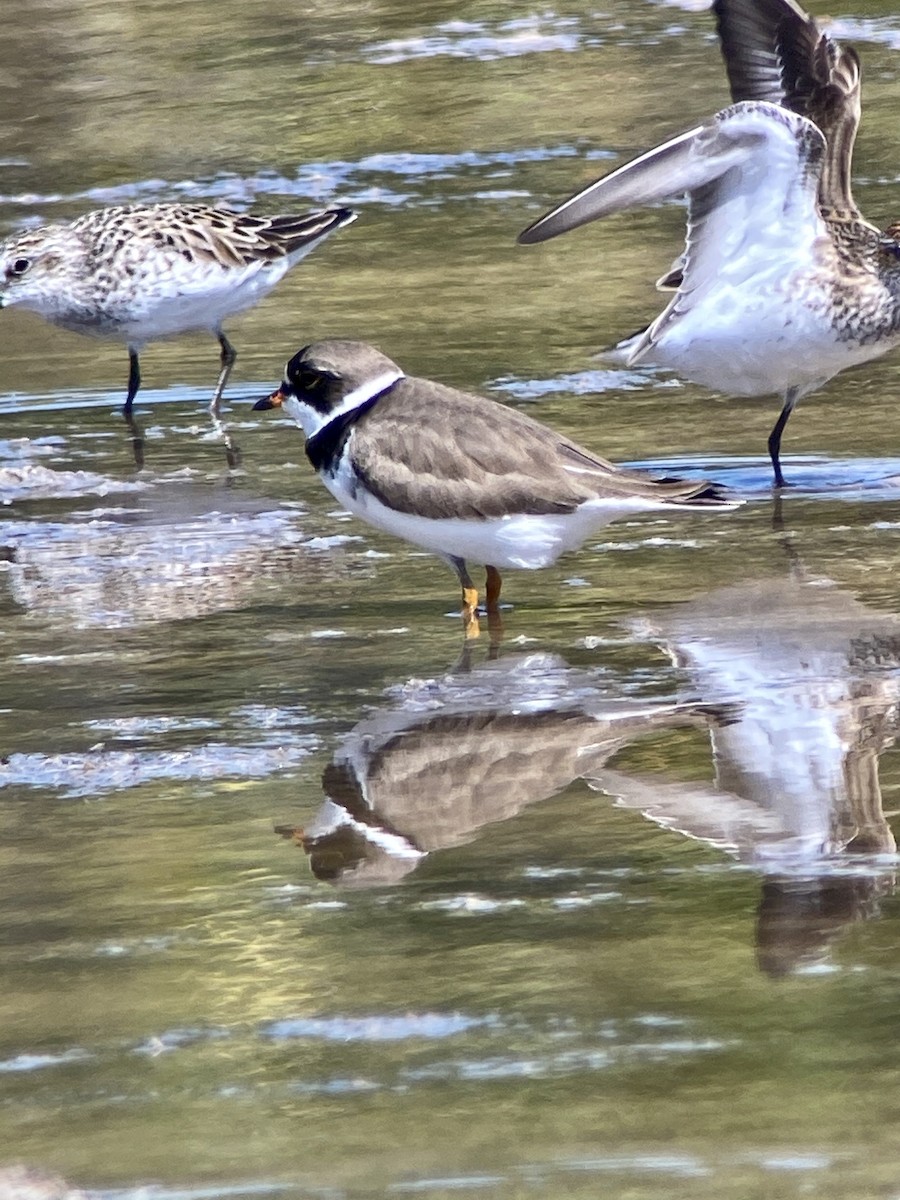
<point x="377" y="1028"/>
<point x="479" y="40"/>
<point x="386" y="178"/>
<point x="95" y="771"/>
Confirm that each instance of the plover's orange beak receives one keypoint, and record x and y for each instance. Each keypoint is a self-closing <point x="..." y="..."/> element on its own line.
<point x="274" y="401"/>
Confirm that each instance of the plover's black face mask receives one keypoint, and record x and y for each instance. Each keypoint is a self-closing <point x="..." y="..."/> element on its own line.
<point x="304" y="382"/>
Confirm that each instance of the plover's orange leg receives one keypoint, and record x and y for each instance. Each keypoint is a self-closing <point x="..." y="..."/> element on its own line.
<point x="469" y="612"/>
<point x="291" y="833"/>
<point x="492" y="586"/>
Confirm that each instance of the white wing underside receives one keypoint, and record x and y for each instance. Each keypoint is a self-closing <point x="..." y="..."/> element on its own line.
<point x="751" y="176"/>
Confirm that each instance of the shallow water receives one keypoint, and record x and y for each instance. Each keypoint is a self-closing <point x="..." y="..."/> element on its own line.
<point x="299" y="895"/>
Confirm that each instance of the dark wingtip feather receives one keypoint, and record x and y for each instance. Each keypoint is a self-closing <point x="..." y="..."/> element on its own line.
<point x="715" y="495"/>
<point x="704" y="493"/>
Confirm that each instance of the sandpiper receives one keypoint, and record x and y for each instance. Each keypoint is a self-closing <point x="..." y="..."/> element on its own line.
<point x="782" y="283"/>
<point x="462" y="476"/>
<point x="138" y="274"/>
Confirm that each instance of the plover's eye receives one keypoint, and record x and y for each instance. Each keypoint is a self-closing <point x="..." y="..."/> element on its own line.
<point x="891" y="246"/>
<point x="310" y="380"/>
<point x="20" y="266"/>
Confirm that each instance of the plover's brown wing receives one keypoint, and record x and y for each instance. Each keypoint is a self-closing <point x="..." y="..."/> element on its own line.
<point x="774" y="51"/>
<point x="440" y="453"/>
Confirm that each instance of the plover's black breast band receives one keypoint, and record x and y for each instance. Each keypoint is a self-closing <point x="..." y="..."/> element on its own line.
<point x="325" y="447"/>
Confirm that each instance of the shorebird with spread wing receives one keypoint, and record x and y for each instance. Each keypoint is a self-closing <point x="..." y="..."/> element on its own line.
<point x="782" y="282"/>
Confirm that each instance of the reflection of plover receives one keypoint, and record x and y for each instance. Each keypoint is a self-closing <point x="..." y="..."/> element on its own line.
<point x="464" y="477"/>
<point x="153" y="271"/>
<point x="782" y="283"/>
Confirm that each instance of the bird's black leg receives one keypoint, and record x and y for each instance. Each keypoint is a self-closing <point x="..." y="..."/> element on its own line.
<point x="790" y="399"/>
<point x="493" y="583"/>
<point x="134" y="380"/>
<point x="227" y="360"/>
<point x="134" y="384"/>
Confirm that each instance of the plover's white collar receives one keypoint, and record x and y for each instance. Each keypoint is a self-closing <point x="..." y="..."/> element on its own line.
<point x="312" y="421"/>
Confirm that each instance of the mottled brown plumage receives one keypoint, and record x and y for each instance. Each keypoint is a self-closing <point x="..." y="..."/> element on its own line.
<point x="140" y="273"/>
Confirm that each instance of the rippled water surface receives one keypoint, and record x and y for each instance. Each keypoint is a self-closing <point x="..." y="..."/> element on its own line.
<point x="299" y="896"/>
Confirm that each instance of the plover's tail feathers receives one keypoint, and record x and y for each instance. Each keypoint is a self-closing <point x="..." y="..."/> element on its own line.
<point x="685" y="493"/>
<point x="699" y="493"/>
<point x="613" y="483"/>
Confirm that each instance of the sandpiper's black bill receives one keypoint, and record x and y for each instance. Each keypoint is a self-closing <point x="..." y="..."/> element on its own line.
<point x="274" y="401"/>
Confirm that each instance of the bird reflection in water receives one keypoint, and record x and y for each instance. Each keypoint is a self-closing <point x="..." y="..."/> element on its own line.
<point x="802" y="683"/>
<point x="798" y="685"/>
<point x="489" y="743"/>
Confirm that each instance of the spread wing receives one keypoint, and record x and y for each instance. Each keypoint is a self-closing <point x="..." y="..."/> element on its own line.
<point x="752" y="178"/>
<point x="750" y="174"/>
<point x="775" y="52"/>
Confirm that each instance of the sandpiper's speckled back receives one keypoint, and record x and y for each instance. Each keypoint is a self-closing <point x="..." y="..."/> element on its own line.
<point x="152" y="271"/>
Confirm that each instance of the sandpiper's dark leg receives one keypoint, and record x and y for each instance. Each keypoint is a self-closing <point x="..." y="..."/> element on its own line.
<point x="227" y="360"/>
<point x="469" y="597"/>
<point x="134" y="379"/>
<point x="790" y="399"/>
<point x="134" y="384"/>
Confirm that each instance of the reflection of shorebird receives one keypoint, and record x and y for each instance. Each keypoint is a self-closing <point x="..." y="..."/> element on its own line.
<point x="153" y="271"/>
<point x="782" y="283"/>
<point x="462" y="476"/>
<point x="406" y="783"/>
<point x="806" y="680"/>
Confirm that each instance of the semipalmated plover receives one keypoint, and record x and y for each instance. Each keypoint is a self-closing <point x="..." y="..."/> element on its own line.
<point x="460" y="475"/>
<point x="782" y="283"/>
<point x="138" y="274"/>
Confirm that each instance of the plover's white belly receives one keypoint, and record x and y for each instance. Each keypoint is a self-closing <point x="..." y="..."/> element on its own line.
<point x="520" y="541"/>
<point x="754" y="340"/>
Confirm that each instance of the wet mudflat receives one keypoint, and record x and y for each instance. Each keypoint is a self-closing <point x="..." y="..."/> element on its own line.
<point x="301" y="897"/>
